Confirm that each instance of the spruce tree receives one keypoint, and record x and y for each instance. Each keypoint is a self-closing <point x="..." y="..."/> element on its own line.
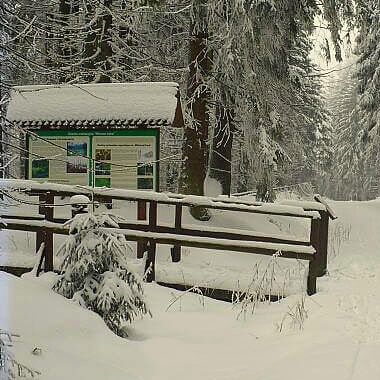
<point x="10" y="367"/>
<point x="368" y="75"/>
<point x="354" y="105"/>
<point x="96" y="273"/>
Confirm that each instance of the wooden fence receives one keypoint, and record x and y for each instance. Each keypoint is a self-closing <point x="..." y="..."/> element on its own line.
<point x="147" y="231"/>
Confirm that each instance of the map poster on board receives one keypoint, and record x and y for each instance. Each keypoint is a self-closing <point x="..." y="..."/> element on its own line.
<point x="64" y="159"/>
<point x="127" y="162"/>
<point x="124" y="159"/>
<point x="77" y="157"/>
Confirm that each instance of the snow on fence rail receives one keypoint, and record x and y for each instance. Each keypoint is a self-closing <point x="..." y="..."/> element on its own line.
<point x="220" y="203"/>
<point x="147" y="232"/>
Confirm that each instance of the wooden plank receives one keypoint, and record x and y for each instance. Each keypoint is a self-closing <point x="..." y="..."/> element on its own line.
<point x="329" y="210"/>
<point x="291" y="251"/>
<point x="236" y="236"/>
<point x="57" y="228"/>
<point x="17" y="271"/>
<point x="35" y="226"/>
<point x="22" y="217"/>
<point x="216" y="293"/>
<point x="222" y="234"/>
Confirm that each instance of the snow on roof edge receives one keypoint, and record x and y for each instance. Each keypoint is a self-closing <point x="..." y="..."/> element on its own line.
<point x="37" y="87"/>
<point x="100" y="101"/>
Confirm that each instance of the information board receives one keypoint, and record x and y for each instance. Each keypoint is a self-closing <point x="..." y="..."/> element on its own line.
<point x="125" y="159"/>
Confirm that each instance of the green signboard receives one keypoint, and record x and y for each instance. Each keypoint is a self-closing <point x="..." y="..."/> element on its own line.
<point x="126" y="159"/>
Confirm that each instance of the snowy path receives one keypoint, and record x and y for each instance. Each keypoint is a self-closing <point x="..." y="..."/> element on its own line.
<point x="355" y="273"/>
<point x="352" y="288"/>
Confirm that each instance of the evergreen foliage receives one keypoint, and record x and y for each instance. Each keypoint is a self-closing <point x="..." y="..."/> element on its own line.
<point x="96" y="272"/>
<point x="347" y="177"/>
<point x="355" y="106"/>
<point x="251" y="77"/>
<point x="368" y="75"/>
<point x="10" y="367"/>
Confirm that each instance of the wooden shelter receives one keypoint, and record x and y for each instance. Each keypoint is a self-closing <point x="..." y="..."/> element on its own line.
<point x="105" y="134"/>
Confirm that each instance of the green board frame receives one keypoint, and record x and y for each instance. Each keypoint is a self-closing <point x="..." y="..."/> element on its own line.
<point x="91" y="134"/>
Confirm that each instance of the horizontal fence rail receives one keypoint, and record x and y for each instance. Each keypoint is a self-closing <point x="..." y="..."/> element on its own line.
<point x="148" y="233"/>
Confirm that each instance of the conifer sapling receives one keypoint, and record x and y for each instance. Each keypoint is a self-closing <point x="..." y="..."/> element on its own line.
<point x="96" y="274"/>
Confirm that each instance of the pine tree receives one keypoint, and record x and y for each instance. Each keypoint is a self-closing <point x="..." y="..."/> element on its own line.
<point x="242" y="79"/>
<point x="10" y="367"/>
<point x="347" y="177"/>
<point x="261" y="83"/>
<point x="354" y="105"/>
<point x="96" y="272"/>
<point x="368" y="74"/>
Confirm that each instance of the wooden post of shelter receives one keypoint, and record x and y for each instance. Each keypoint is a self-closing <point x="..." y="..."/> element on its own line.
<point x="150" y="262"/>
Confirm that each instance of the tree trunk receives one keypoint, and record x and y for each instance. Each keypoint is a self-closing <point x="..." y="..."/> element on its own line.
<point x="196" y="132"/>
<point x="105" y="45"/>
<point x="97" y="48"/>
<point x="65" y="43"/>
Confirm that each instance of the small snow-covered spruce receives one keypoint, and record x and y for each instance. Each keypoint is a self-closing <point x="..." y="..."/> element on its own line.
<point x="96" y="274"/>
<point x="11" y="368"/>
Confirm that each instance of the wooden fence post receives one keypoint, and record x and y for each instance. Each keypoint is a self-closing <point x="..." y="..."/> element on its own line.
<point x="45" y="236"/>
<point x="40" y="235"/>
<point x="315" y="240"/>
<point x="315" y="263"/>
<point x="325" y="217"/>
<point x="323" y="245"/>
<point x="311" y="280"/>
<point x="151" y="259"/>
<point x="141" y="215"/>
<point x="176" y="250"/>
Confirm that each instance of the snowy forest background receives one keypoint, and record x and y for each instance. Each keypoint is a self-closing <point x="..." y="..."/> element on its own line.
<point x="256" y="105"/>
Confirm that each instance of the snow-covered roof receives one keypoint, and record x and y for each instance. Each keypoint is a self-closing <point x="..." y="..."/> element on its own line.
<point x="125" y="103"/>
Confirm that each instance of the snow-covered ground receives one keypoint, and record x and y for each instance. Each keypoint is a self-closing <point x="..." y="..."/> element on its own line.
<point x="194" y="337"/>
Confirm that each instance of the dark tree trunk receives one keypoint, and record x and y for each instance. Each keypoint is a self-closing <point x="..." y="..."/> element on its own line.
<point x="105" y="45"/>
<point x="196" y="133"/>
<point x="66" y="47"/>
<point x="97" y="47"/>
<point x="89" y="51"/>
